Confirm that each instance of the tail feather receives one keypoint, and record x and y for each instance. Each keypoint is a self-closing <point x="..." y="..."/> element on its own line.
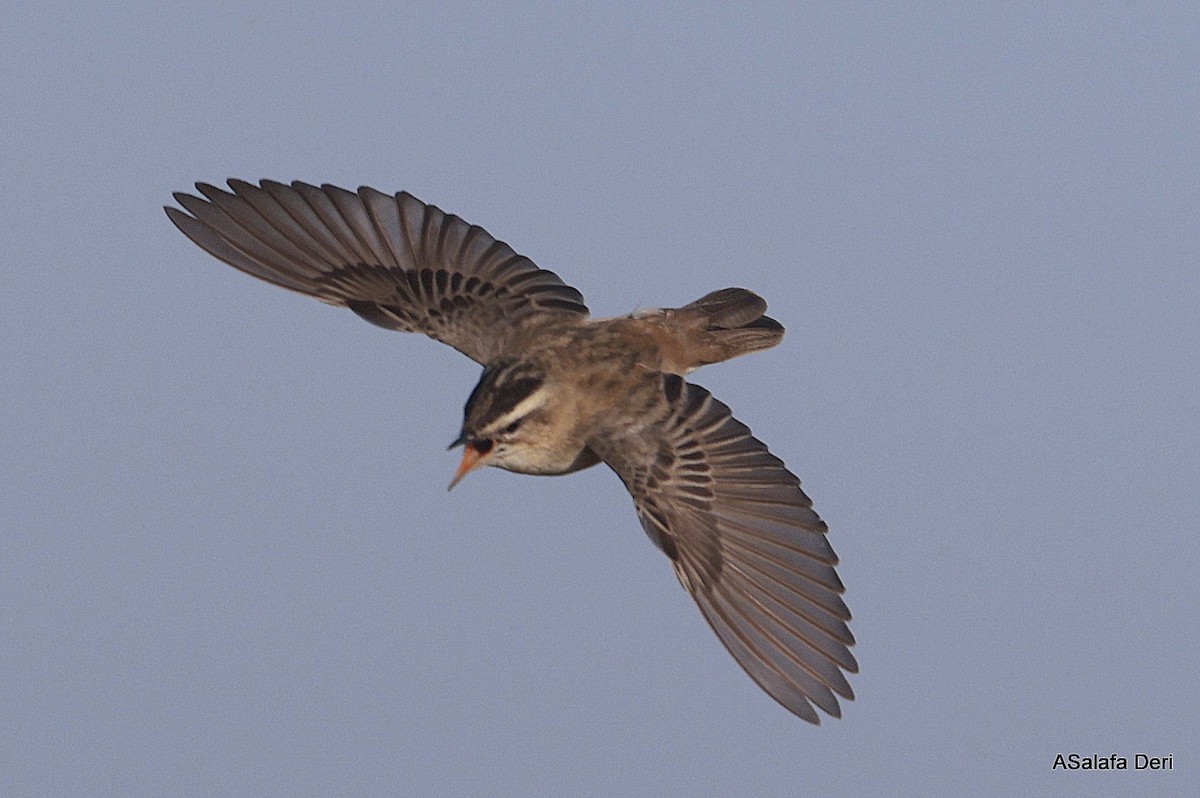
<point x="725" y="324"/>
<point x="729" y="307"/>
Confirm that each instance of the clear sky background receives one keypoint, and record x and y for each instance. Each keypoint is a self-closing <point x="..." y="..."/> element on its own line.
<point x="228" y="562"/>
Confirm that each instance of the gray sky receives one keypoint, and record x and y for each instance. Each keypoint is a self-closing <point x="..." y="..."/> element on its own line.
<point x="228" y="563"/>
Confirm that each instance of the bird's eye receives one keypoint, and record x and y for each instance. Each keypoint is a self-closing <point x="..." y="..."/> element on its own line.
<point x="511" y="428"/>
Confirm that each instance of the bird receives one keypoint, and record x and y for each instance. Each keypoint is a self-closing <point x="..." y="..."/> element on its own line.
<point x="561" y="391"/>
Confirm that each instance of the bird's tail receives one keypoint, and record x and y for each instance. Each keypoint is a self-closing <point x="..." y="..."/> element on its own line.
<point x="723" y="325"/>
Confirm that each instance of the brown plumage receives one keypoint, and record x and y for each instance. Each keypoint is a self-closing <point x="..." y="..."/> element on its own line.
<point x="561" y="392"/>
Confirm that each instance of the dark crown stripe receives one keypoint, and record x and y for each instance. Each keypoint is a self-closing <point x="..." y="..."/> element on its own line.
<point x="500" y="389"/>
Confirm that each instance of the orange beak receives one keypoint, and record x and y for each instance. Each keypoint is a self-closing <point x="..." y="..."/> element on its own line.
<point x="472" y="458"/>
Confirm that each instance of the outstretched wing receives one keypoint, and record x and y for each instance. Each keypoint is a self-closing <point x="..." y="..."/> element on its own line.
<point x="745" y="543"/>
<point x="393" y="260"/>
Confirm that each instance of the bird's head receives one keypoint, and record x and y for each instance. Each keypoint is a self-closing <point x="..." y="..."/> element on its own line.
<point x="504" y="420"/>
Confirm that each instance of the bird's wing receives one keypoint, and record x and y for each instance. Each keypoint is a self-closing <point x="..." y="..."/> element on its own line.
<point x="393" y="260"/>
<point x="745" y="543"/>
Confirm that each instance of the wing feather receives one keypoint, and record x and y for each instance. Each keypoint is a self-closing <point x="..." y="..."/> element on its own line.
<point x="393" y="260"/>
<point x="746" y="544"/>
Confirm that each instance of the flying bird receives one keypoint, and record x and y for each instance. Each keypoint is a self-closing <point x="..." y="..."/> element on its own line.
<point x="561" y="391"/>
